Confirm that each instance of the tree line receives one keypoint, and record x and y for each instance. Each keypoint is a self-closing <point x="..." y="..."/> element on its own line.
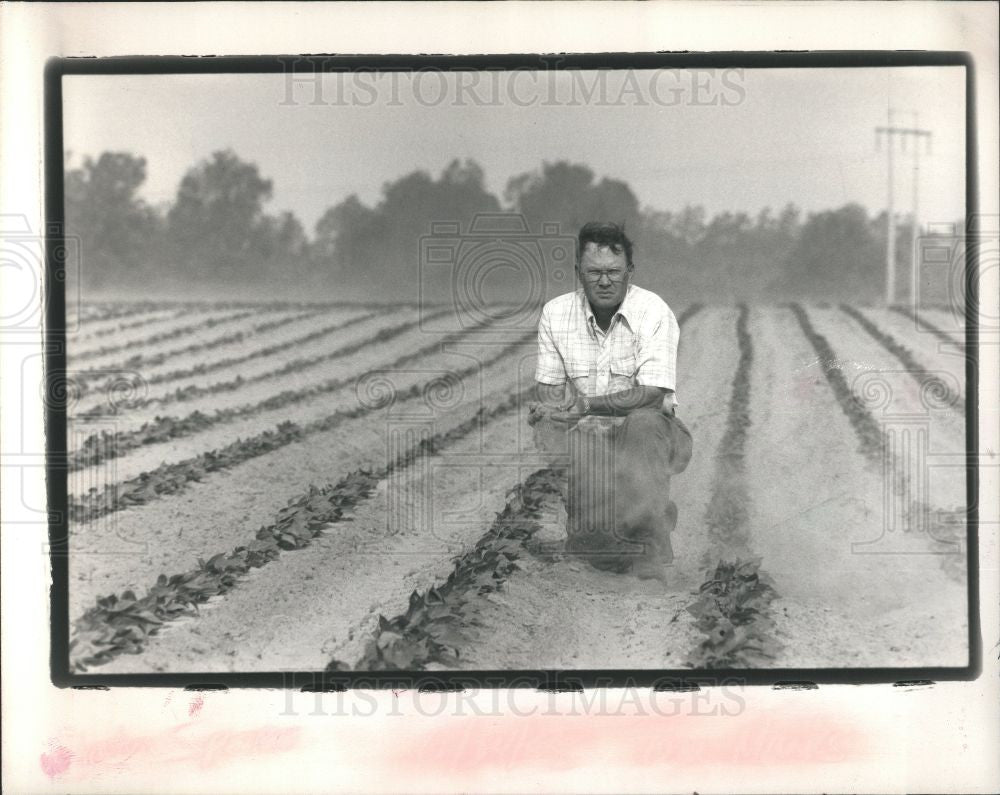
<point x="216" y="235"/>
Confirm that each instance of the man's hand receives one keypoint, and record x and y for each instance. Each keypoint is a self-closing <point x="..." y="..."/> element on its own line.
<point x="620" y="404"/>
<point x="567" y="410"/>
<point x="571" y="411"/>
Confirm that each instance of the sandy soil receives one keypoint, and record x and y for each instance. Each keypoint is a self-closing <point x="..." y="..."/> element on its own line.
<point x="115" y="360"/>
<point x="948" y="321"/>
<point x="927" y="348"/>
<point x="128" y="549"/>
<point x="307" y="606"/>
<point x="370" y="358"/>
<point x="364" y="360"/>
<point x="97" y="397"/>
<point x="606" y="621"/>
<point x="850" y="594"/>
<point x="566" y="614"/>
<point x="840" y="605"/>
<point x="153" y="322"/>
<point x="252" y="343"/>
<point x="894" y="398"/>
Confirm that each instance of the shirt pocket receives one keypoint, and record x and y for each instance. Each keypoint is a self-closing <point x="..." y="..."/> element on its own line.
<point x="624" y="365"/>
<point x="579" y="372"/>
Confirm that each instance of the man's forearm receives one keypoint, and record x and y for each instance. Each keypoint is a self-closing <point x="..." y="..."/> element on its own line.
<point x="619" y="404"/>
<point x="550" y="395"/>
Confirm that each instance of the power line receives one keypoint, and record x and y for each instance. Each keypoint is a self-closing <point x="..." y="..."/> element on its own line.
<point x="903" y="135"/>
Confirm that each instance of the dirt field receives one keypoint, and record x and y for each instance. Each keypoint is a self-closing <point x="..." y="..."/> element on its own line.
<point x="301" y="487"/>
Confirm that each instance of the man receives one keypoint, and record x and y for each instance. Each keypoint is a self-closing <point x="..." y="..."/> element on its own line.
<point x="605" y="378"/>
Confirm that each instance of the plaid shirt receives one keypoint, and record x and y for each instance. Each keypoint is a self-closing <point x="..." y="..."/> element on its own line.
<point x="638" y="349"/>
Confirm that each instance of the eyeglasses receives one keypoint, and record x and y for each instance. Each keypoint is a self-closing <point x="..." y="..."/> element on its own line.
<point x="615" y="277"/>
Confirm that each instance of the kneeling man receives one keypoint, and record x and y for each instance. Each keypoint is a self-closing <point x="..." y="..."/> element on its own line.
<point x="606" y="369"/>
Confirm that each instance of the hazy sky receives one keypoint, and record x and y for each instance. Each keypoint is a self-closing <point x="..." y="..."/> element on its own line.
<point x="733" y="140"/>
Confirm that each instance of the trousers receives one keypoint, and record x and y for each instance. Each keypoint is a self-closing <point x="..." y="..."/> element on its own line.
<point x="618" y="492"/>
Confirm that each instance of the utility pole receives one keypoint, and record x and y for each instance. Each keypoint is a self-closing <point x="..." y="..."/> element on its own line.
<point x="892" y="132"/>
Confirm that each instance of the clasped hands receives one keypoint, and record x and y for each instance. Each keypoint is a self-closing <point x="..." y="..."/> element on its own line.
<point x="568" y="411"/>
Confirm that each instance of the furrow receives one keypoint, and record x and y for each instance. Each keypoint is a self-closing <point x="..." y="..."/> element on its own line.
<point x="923" y="320"/>
<point x="163" y="336"/>
<point x="316" y="520"/>
<point x="554" y="611"/>
<point x="126" y="549"/>
<point x="909" y="434"/>
<point x="174" y="478"/>
<point x="161" y="436"/>
<point x="732" y="611"/>
<point x="926" y="379"/>
<point x="853" y="587"/>
<point x="114" y="397"/>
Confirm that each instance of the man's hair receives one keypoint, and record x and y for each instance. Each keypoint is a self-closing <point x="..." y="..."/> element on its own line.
<point x="604" y="234"/>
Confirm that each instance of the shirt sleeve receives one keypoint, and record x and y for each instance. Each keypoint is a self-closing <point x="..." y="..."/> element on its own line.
<point x="657" y="353"/>
<point x="550" y="369"/>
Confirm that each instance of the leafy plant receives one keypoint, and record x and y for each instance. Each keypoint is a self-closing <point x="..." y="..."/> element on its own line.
<point x="121" y="624"/>
<point x="732" y="613"/>
<point x="438" y="623"/>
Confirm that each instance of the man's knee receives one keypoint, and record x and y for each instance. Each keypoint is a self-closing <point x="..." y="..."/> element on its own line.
<point x="645" y="421"/>
<point x="646" y="426"/>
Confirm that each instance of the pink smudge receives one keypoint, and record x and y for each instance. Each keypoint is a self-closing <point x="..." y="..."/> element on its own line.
<point x="196" y="704"/>
<point x="558" y="742"/>
<point x="57" y="762"/>
<point x="183" y="744"/>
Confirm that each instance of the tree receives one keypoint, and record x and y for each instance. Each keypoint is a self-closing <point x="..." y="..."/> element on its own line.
<point x="368" y="247"/>
<point x="118" y="232"/>
<point x="216" y="225"/>
<point x="343" y="233"/>
<point x="566" y="193"/>
<point x="283" y="248"/>
<point x="836" y="257"/>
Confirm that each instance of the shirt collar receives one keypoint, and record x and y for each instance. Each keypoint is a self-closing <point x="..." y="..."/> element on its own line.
<point x="624" y="309"/>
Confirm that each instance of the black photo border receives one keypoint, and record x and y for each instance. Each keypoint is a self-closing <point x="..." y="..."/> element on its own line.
<point x="675" y="679"/>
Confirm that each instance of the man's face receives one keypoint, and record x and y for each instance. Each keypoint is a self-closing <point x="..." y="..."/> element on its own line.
<point x="604" y="276"/>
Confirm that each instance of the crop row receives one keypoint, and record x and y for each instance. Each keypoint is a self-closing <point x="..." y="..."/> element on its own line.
<point x="438" y="622"/>
<point x="728" y="509"/>
<point x="733" y="612"/>
<point x="83" y="379"/>
<point x="162" y="336"/>
<point x="293" y="366"/>
<point x="865" y="427"/>
<point x="105" y="446"/>
<point x="96" y="313"/>
<point x="122" y="623"/>
<point x="926" y="379"/>
<point x="946" y="527"/>
<point x="923" y="322"/>
<point x="209" y="367"/>
<point x="146" y="320"/>
<point x="173" y="478"/>
<point x="732" y="609"/>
